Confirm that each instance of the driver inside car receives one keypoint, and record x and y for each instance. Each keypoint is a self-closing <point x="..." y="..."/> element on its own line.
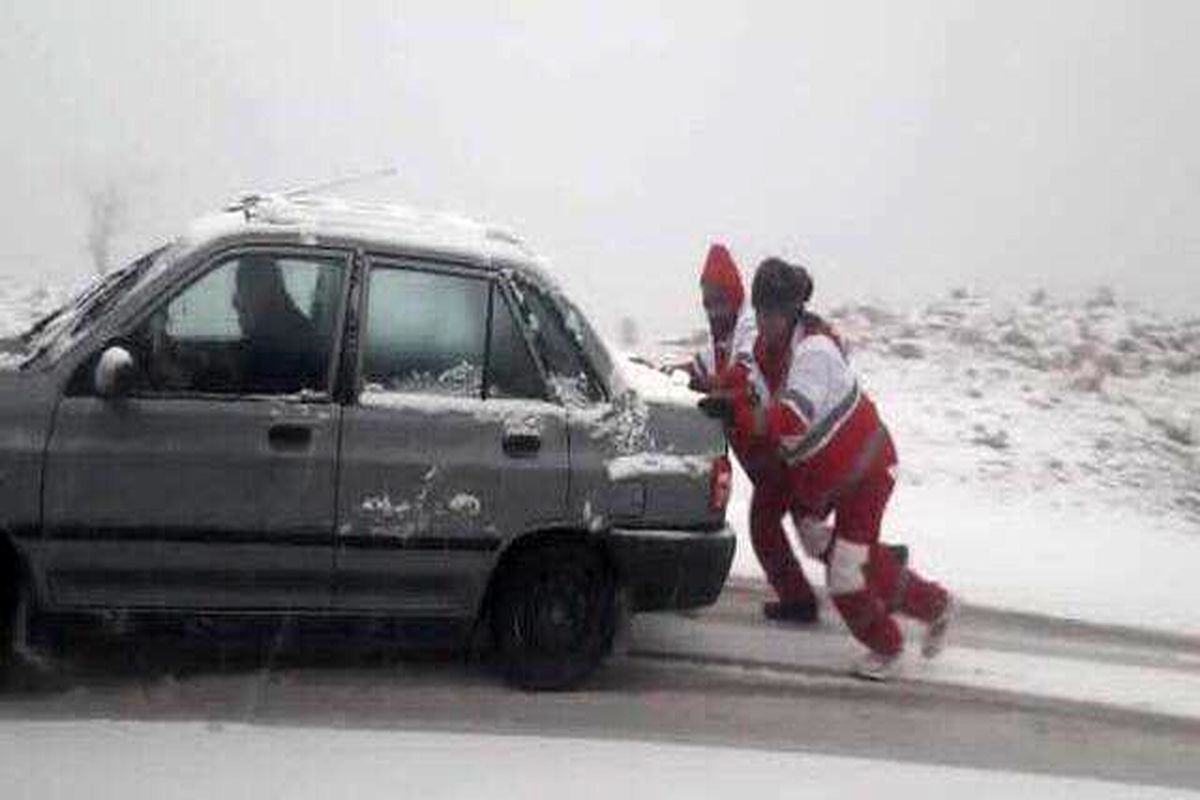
<point x="282" y="351"/>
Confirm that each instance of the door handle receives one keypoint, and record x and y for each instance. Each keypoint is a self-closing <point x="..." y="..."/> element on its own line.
<point x="289" y="436"/>
<point x="521" y="445"/>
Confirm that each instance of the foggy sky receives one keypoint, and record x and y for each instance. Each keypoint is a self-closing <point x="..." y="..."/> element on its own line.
<point x="901" y="149"/>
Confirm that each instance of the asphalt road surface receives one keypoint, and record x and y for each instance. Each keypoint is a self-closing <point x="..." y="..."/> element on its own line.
<point x="723" y="677"/>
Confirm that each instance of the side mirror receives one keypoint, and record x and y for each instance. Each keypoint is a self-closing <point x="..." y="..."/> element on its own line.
<point x="114" y="373"/>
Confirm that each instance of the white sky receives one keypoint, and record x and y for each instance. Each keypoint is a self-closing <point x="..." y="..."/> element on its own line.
<point x="902" y="148"/>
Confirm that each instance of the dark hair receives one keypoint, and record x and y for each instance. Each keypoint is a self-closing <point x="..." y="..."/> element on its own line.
<point x="780" y="286"/>
<point x="259" y="276"/>
<point x="260" y="272"/>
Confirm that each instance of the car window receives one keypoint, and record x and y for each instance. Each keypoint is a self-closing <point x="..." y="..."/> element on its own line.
<point x="253" y="324"/>
<point x="511" y="368"/>
<point x="426" y="332"/>
<point x="569" y="371"/>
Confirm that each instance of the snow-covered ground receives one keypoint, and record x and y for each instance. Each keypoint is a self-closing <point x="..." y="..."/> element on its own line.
<point x="188" y="760"/>
<point x="1050" y="453"/>
<point x="1115" y="673"/>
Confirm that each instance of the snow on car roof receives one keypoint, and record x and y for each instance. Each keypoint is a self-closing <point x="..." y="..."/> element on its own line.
<point x="385" y="224"/>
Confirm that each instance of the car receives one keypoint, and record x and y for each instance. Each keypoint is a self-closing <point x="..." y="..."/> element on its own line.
<point x="309" y="407"/>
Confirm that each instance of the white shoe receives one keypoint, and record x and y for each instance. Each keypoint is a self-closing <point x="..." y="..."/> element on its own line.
<point x="935" y="633"/>
<point x="876" y="667"/>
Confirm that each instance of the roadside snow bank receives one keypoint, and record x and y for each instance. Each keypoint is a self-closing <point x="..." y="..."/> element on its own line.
<point x="189" y="760"/>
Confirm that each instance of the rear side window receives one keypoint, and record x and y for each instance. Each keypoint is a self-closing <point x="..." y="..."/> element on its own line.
<point x="511" y="369"/>
<point x="426" y="332"/>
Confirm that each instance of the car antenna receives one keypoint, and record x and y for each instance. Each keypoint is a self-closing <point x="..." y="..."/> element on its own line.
<point x="347" y="180"/>
<point x="249" y="200"/>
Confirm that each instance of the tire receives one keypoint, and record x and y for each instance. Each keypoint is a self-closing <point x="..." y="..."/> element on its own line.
<point x="23" y="668"/>
<point x="553" y="616"/>
<point x="12" y="592"/>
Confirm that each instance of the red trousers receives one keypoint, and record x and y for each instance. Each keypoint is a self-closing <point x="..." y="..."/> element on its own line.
<point x="865" y="581"/>
<point x="768" y="505"/>
<point x="771" y="545"/>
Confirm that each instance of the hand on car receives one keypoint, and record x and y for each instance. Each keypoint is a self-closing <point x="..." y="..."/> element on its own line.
<point x="717" y="406"/>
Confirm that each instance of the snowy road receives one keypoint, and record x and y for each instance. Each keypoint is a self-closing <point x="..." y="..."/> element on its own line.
<point x="1013" y="694"/>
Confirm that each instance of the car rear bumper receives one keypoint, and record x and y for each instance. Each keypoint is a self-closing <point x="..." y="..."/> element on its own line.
<point x="671" y="569"/>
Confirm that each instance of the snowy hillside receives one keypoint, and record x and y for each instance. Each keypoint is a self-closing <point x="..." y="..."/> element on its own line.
<point x="1090" y="403"/>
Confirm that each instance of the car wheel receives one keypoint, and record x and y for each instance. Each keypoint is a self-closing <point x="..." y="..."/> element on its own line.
<point x="553" y="616"/>
<point x="22" y="666"/>
<point x="14" y="611"/>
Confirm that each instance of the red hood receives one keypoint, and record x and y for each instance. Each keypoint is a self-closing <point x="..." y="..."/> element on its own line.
<point x="720" y="270"/>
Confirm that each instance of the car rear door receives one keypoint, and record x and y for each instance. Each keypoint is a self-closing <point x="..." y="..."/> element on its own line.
<point x="211" y="485"/>
<point x="449" y="446"/>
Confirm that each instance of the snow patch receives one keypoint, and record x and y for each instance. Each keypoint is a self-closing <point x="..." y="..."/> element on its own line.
<point x="654" y="385"/>
<point x="644" y="464"/>
<point x="461" y="380"/>
<point x="383" y="506"/>
<point x="624" y="425"/>
<point x="466" y="504"/>
<point x="592" y="520"/>
<point x="515" y="414"/>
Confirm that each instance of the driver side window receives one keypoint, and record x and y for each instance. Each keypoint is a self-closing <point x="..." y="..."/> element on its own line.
<point x="256" y="323"/>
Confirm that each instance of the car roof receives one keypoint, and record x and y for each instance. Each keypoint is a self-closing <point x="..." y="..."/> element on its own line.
<point x="382" y="225"/>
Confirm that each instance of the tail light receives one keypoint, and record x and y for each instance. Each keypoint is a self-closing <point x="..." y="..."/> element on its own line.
<point x="720" y="484"/>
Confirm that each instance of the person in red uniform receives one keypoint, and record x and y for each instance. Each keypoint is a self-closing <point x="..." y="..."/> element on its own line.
<point x="796" y="394"/>
<point x="731" y="328"/>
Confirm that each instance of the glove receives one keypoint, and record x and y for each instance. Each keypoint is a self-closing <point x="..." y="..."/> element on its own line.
<point x="716" y="408"/>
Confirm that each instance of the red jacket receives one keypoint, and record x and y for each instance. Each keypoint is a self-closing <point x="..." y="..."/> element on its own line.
<point x="714" y="370"/>
<point x="808" y="407"/>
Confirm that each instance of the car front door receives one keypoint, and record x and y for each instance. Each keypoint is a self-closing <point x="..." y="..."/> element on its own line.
<point x="211" y="484"/>
<point x="450" y="446"/>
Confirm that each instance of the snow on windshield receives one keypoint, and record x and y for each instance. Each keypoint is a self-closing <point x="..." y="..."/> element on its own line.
<point x="57" y="330"/>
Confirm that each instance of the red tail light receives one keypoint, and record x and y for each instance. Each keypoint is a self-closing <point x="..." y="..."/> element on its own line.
<point x="720" y="484"/>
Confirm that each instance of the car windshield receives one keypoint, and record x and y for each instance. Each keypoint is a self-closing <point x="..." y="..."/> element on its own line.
<point x="46" y="337"/>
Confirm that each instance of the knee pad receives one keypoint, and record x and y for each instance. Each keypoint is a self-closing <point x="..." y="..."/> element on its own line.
<point x="845" y="572"/>
<point x="815" y="536"/>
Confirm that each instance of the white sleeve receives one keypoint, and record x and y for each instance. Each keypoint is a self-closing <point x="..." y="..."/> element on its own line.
<point x="756" y="382"/>
<point x="819" y="380"/>
<point x="705" y="362"/>
<point x="745" y="333"/>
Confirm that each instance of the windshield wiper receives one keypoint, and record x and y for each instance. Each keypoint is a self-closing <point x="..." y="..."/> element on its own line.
<point x="104" y="296"/>
<point x="85" y="308"/>
<point x="112" y="288"/>
<point x="30" y="333"/>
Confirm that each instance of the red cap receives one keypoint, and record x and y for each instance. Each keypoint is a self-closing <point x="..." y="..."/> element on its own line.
<point x="720" y="270"/>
